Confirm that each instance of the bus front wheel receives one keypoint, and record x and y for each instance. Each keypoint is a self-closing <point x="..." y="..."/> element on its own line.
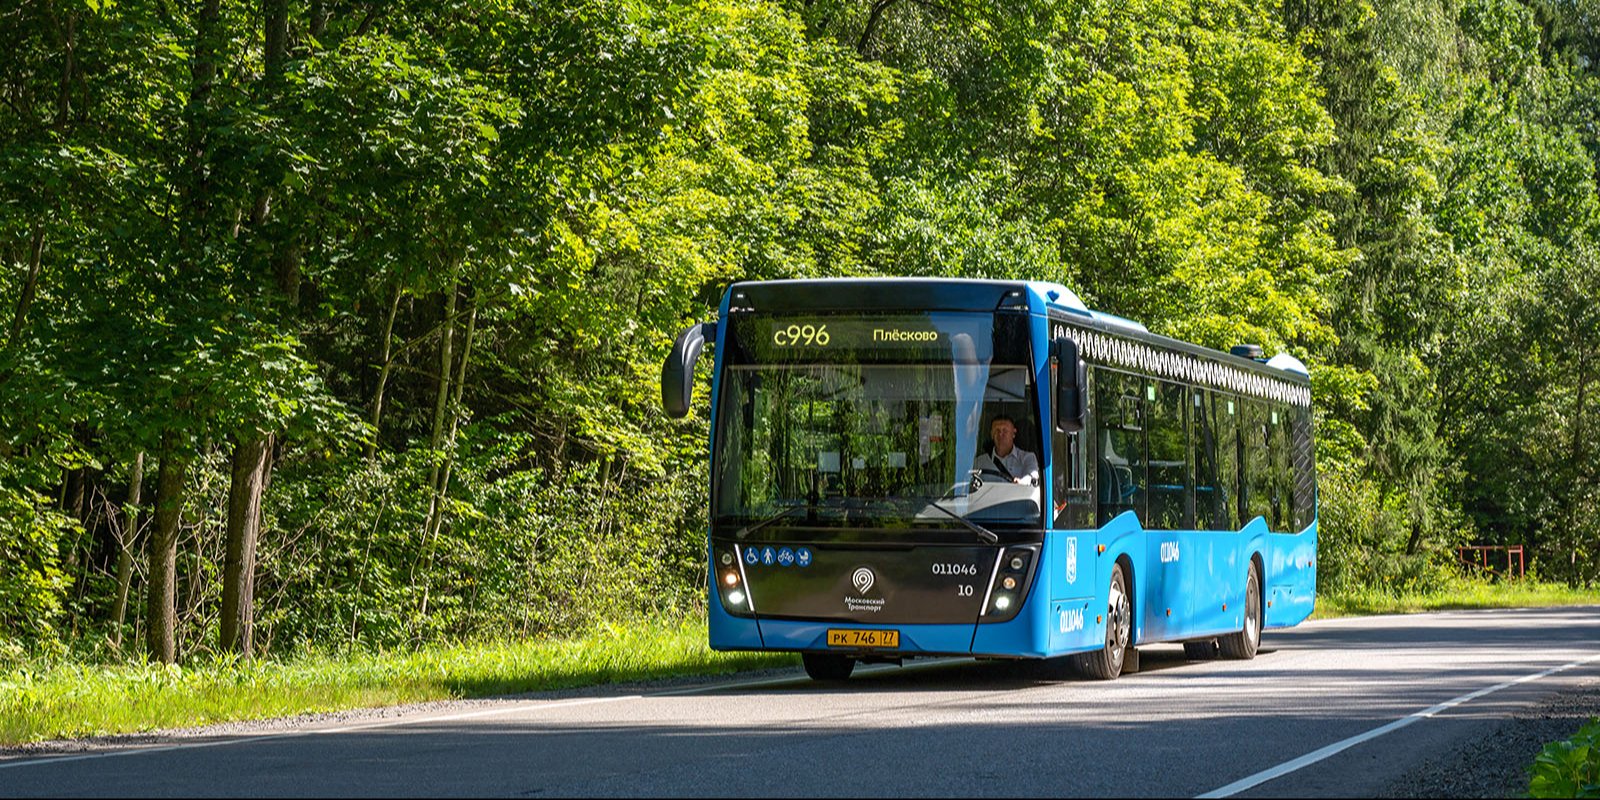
<point x="1106" y="663"/>
<point x="827" y="666"/>
<point x="1244" y="644"/>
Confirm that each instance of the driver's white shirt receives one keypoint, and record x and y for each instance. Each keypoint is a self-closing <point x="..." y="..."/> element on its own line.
<point x="1019" y="462"/>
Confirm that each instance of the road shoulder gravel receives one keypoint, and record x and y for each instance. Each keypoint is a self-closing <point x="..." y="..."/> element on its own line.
<point x="1494" y="764"/>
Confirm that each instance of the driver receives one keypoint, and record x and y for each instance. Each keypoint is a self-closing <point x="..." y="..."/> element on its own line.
<point x="1006" y="459"/>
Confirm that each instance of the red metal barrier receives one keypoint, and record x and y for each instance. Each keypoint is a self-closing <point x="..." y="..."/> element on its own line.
<point x="1479" y="556"/>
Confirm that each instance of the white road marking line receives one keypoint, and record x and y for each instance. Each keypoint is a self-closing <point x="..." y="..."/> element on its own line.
<point x="1340" y="746"/>
<point x="489" y="712"/>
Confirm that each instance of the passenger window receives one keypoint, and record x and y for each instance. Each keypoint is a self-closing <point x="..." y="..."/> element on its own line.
<point x="1230" y="460"/>
<point x="1118" y="418"/>
<point x="1169" y="456"/>
<point x="1211" y="496"/>
<point x="1282" y="468"/>
<point x="1258" y="461"/>
<point x="1305" y="470"/>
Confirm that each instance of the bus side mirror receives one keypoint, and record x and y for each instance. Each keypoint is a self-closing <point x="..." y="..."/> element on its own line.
<point x="1071" y="381"/>
<point x="677" y="374"/>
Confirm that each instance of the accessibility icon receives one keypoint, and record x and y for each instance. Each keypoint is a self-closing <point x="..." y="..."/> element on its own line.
<point x="751" y="557"/>
<point x="785" y="557"/>
<point x="802" y="557"/>
<point x="769" y="556"/>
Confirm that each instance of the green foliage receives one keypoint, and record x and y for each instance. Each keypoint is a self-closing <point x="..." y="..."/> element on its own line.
<point x="1569" y="768"/>
<point x="439" y="252"/>
<point x="523" y="552"/>
<point x="31" y="583"/>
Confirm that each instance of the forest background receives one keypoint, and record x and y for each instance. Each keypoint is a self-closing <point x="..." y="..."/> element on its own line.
<point x="338" y="325"/>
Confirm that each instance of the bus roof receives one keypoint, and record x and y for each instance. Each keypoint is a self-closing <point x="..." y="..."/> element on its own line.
<point x="969" y="294"/>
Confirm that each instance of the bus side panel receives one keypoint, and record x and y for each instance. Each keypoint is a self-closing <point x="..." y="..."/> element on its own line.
<point x="1122" y="538"/>
<point x="1291" y="577"/>
<point x="1218" y="564"/>
<point x="1166" y="598"/>
<point x="1071" y="567"/>
<point x="1072" y="577"/>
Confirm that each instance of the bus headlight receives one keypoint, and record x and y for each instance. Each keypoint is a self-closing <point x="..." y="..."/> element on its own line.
<point x="728" y="582"/>
<point x="1012" y="577"/>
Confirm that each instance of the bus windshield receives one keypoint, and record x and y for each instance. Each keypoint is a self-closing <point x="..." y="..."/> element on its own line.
<point x="877" y="422"/>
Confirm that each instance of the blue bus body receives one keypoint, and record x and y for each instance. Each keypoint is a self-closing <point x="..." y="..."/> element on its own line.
<point x="1185" y="584"/>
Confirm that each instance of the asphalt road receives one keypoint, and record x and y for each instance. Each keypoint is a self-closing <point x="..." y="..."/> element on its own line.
<point x="1333" y="708"/>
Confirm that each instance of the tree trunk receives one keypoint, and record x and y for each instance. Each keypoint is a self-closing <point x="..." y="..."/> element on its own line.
<point x="202" y="81"/>
<point x="441" y="402"/>
<point x="30" y="284"/>
<point x="872" y="24"/>
<point x="64" y="93"/>
<point x="72" y="493"/>
<point x="440" y="472"/>
<point x="383" y="372"/>
<point x="251" y="457"/>
<point x="275" y="15"/>
<point x="162" y="610"/>
<point x="72" y="504"/>
<point x="1578" y="457"/>
<point x="319" y="18"/>
<point x="130" y="528"/>
<point x="455" y="409"/>
<point x="286" y="255"/>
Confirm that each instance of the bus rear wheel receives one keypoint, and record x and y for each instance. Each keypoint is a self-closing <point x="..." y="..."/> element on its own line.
<point x="827" y="666"/>
<point x="1244" y="644"/>
<point x="1106" y="663"/>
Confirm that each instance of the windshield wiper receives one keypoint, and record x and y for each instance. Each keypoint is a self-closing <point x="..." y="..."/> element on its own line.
<point x="983" y="533"/>
<point x="751" y="528"/>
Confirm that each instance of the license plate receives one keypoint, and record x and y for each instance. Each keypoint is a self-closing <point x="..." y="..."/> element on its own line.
<point x="850" y="637"/>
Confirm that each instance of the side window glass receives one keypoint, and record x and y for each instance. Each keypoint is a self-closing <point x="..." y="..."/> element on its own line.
<point x="1305" y="470"/>
<point x="1074" y="481"/>
<point x="1258" y="466"/>
<point x="1230" y="461"/>
<point x="1282" y="469"/>
<point x="1210" y="500"/>
<point x="1169" y="456"/>
<point x="1119" y="444"/>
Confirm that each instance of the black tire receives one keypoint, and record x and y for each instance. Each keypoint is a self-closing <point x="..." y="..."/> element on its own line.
<point x="1201" y="651"/>
<point x="1106" y="663"/>
<point x="1244" y="644"/>
<point x="827" y="666"/>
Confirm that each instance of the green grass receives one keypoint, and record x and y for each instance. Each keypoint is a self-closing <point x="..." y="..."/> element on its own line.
<point x="1462" y="594"/>
<point x="61" y="700"/>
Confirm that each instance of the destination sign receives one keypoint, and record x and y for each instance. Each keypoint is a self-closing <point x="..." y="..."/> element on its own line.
<point x="823" y="334"/>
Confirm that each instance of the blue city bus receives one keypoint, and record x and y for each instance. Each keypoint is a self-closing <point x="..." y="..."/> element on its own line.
<point x="862" y="509"/>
